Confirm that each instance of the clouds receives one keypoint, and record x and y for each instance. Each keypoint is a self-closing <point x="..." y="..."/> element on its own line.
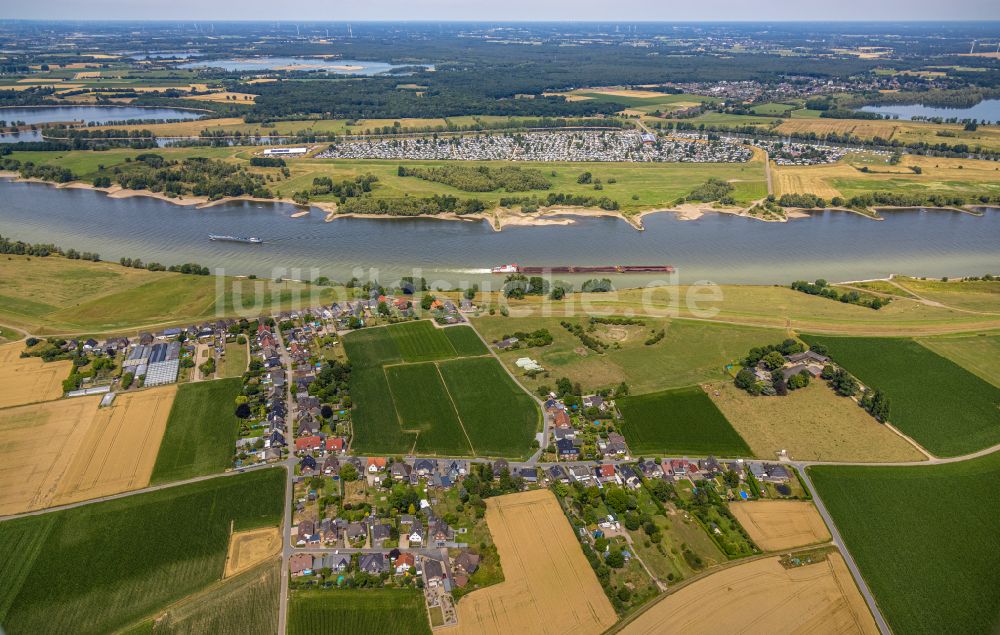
<point x="523" y="10"/>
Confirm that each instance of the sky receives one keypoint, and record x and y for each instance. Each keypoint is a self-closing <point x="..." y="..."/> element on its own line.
<point x="507" y="10"/>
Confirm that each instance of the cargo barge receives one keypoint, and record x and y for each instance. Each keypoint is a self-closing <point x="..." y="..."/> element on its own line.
<point x="253" y="240"/>
<point x="515" y="268"/>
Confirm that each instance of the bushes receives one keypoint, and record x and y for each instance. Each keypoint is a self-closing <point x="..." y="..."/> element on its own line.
<point x="267" y="162"/>
<point x="821" y="288"/>
<point x="411" y="206"/>
<point x="712" y="190"/>
<point x="481" y="178"/>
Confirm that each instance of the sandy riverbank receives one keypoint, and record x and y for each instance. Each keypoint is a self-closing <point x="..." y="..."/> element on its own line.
<point x="497" y="218"/>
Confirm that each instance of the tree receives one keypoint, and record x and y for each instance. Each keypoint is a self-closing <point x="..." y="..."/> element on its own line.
<point x="348" y="473"/>
<point x="585" y="178"/>
<point x="426" y="302"/>
<point x="773" y="360"/>
<point x="615" y="559"/>
<point x="745" y="379"/>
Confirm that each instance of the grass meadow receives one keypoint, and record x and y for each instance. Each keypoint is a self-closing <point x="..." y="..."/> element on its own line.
<point x="681" y="421"/>
<point x="349" y="612"/>
<point x="691" y="352"/>
<point x="201" y="431"/>
<point x="413" y="392"/>
<point x="104" y="566"/>
<point x="925" y="538"/>
<point x="944" y="407"/>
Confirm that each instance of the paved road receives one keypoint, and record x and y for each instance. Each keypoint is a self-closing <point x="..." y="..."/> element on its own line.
<point x="848" y="558"/>
<point x="289" y="465"/>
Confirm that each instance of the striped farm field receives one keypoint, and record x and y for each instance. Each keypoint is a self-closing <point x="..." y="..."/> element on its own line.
<point x="102" y="567"/>
<point x="417" y="388"/>
<point x="420" y="341"/>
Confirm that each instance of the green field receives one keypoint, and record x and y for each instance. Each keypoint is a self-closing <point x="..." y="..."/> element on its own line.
<point x="978" y="352"/>
<point x="681" y="421"/>
<point x="236" y="360"/>
<point x="499" y="417"/>
<point x="104" y="566"/>
<point x="423" y="405"/>
<point x="246" y="604"/>
<point x="925" y="539"/>
<point x="465" y="341"/>
<point x="201" y="432"/>
<point x="421" y="342"/>
<point x="435" y="407"/>
<point x="944" y="407"/>
<point x="350" y="612"/>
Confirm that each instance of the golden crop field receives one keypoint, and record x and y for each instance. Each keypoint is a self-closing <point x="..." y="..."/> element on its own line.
<point x="119" y="449"/>
<point x="37" y="443"/>
<point x="29" y="379"/>
<point x="70" y="450"/>
<point x="763" y="597"/>
<point x="968" y="177"/>
<point x="776" y="525"/>
<point x="548" y="584"/>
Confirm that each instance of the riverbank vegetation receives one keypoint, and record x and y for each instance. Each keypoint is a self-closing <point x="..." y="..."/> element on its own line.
<point x="481" y="178"/>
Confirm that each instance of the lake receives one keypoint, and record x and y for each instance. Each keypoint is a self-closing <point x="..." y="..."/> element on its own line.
<point x="96" y="114"/>
<point x="717" y="247"/>
<point x="335" y="66"/>
<point x="988" y="110"/>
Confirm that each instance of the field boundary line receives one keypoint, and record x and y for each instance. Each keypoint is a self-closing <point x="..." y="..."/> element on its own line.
<point x="454" y="407"/>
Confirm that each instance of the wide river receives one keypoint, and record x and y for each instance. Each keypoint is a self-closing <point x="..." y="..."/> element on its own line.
<point x="717" y="247"/>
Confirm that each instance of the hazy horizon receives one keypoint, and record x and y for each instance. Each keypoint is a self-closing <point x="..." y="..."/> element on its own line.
<point x="634" y="11"/>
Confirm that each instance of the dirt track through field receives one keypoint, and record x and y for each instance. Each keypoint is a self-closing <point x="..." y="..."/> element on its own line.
<point x="763" y="597"/>
<point x="119" y="450"/>
<point x="29" y="379"/>
<point x="779" y="525"/>
<point x="548" y="588"/>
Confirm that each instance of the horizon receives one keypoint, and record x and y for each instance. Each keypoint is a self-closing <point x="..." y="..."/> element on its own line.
<point x="515" y="11"/>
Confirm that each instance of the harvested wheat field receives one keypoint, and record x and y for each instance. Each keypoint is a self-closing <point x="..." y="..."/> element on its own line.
<point x="812" y="424"/>
<point x="763" y="597"/>
<point x="29" y="379"/>
<point x="805" y="180"/>
<point x="120" y="447"/>
<point x="249" y="548"/>
<point x="779" y="525"/>
<point x="37" y="443"/>
<point x="548" y="585"/>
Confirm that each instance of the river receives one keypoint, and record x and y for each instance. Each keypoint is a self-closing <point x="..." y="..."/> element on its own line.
<point x="98" y="115"/>
<point x="327" y="65"/>
<point x="717" y="247"/>
<point x="986" y="110"/>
